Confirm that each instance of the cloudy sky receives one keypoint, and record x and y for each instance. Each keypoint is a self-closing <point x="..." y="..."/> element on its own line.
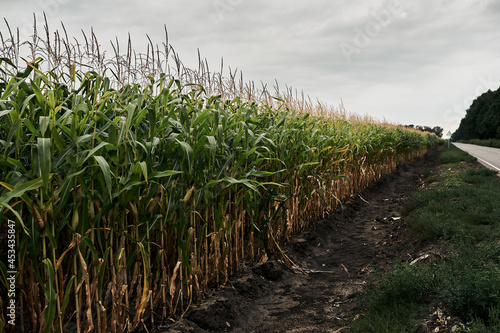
<point x="406" y="61"/>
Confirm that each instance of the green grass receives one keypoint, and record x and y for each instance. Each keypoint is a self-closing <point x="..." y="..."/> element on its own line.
<point x="454" y="155"/>
<point x="397" y="303"/>
<point x="461" y="211"/>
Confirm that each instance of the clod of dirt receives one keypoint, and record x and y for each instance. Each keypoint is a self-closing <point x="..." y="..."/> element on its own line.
<point x="270" y="270"/>
<point x="247" y="285"/>
<point x="215" y="315"/>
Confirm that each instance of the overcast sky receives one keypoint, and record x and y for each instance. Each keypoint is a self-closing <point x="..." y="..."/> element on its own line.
<point x="407" y="61"/>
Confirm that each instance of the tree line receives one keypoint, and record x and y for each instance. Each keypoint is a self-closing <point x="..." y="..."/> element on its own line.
<point x="482" y="120"/>
<point x="436" y="129"/>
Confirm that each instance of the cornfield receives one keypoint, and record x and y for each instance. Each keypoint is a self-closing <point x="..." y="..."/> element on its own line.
<point x="135" y="185"/>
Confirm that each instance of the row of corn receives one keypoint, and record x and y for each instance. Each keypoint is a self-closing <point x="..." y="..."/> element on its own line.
<point x="129" y="202"/>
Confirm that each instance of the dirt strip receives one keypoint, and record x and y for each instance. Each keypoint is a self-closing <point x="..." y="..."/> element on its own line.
<point x="339" y="255"/>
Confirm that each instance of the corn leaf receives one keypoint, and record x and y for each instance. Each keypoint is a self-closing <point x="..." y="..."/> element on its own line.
<point x="106" y="172"/>
<point x="49" y="312"/>
<point x="44" y="159"/>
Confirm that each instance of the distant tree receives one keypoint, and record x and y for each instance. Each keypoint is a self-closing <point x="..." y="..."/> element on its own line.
<point x="482" y="120"/>
<point x="436" y="129"/>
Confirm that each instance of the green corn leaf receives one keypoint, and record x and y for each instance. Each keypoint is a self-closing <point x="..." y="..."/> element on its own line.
<point x="64" y="118"/>
<point x="212" y="143"/>
<point x="16" y="163"/>
<point x="186" y="148"/>
<point x="30" y="126"/>
<point x="13" y="85"/>
<point x="51" y="237"/>
<point x="13" y="131"/>
<point x="201" y="117"/>
<point x="250" y="152"/>
<point x="66" y="156"/>
<point x="49" y="313"/>
<point x="84" y="138"/>
<point x="261" y="173"/>
<point x="130" y="116"/>
<point x="129" y="185"/>
<point x="44" y="159"/>
<point x="140" y="117"/>
<point x="144" y="169"/>
<point x="44" y="124"/>
<point x="102" y="270"/>
<point x="303" y="166"/>
<point x="51" y="100"/>
<point x="16" y="214"/>
<point x="88" y="243"/>
<point x="67" y="295"/>
<point x="123" y="129"/>
<point x="238" y="137"/>
<point x="233" y="181"/>
<point x="106" y="172"/>
<point x="4" y="112"/>
<point x="93" y="151"/>
<point x="65" y="188"/>
<point x="163" y="174"/>
<point x="59" y="143"/>
<point x="271" y="183"/>
<point x="20" y="189"/>
<point x="178" y="126"/>
<point x="42" y="101"/>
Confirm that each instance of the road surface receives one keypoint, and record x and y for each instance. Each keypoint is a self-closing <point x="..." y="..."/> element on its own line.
<point x="489" y="157"/>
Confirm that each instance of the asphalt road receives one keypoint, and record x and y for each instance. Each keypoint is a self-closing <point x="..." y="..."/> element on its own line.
<point x="489" y="157"/>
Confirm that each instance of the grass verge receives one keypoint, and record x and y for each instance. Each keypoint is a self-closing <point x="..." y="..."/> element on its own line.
<point x="458" y="210"/>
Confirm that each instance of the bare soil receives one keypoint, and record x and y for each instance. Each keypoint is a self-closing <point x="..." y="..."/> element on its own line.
<point x="339" y="255"/>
